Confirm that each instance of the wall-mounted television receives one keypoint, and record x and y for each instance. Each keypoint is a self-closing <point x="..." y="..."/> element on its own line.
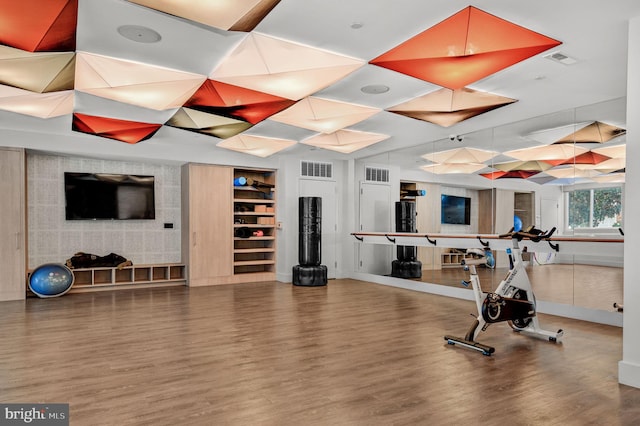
<point x="93" y="196"/>
<point x="455" y="210"/>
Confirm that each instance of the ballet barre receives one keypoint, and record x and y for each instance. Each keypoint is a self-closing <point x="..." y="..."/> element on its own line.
<point x="587" y="245"/>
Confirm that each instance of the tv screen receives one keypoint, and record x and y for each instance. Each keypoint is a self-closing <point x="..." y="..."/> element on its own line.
<point x="455" y="210"/>
<point x="91" y="196"/>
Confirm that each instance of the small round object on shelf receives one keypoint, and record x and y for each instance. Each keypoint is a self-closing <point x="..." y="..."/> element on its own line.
<point x="51" y="280"/>
<point x="517" y="223"/>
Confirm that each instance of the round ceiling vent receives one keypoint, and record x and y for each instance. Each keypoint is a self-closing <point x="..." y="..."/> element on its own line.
<point x="375" y="89"/>
<point x="139" y="34"/>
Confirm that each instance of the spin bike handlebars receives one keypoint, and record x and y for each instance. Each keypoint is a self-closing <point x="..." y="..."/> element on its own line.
<point x="531" y="233"/>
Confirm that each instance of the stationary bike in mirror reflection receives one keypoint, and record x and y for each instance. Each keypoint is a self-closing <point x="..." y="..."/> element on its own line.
<point x="512" y="301"/>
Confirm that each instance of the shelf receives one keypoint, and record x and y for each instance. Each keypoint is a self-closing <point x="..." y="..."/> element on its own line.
<point x="452" y="260"/>
<point x="254" y="262"/>
<point x="253" y="200"/>
<point x="254" y="213"/>
<point x="86" y="279"/>
<point x="268" y="238"/>
<point x="246" y="188"/>
<point x="255" y="250"/>
<point x="254" y="257"/>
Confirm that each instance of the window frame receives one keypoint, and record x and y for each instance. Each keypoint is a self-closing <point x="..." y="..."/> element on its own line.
<point x="592" y="188"/>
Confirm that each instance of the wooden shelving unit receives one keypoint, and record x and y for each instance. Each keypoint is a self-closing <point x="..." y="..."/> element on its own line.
<point x="405" y="190"/>
<point x="254" y="258"/>
<point x="452" y="260"/>
<point x="106" y="278"/>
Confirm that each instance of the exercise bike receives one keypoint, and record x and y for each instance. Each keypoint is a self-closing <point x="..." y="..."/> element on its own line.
<point x="513" y="300"/>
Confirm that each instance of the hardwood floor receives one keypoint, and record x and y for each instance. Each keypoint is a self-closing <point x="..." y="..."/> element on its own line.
<point x="350" y="353"/>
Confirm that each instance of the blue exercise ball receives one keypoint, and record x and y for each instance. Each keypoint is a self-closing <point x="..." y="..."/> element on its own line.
<point x="517" y="223"/>
<point x="51" y="280"/>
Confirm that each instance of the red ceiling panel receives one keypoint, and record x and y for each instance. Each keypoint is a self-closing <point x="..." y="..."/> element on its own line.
<point x="587" y="158"/>
<point x="232" y="101"/>
<point x="464" y="48"/>
<point x="112" y="128"/>
<point x="39" y="25"/>
<point x="513" y="174"/>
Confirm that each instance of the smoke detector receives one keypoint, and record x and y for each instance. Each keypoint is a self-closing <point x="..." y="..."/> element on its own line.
<point x="561" y="58"/>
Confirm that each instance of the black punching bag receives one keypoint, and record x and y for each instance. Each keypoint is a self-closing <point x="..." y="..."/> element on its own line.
<point x="406" y="222"/>
<point x="309" y="272"/>
<point x="407" y="265"/>
<point x="309" y="230"/>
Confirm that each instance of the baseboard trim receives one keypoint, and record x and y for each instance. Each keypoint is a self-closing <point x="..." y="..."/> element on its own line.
<point x="629" y="374"/>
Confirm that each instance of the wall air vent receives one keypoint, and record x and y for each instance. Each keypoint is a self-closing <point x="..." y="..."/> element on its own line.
<point x="561" y="57"/>
<point x="372" y="174"/>
<point x="316" y="169"/>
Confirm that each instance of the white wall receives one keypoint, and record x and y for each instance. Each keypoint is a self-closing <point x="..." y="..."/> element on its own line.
<point x="54" y="239"/>
<point x="629" y="366"/>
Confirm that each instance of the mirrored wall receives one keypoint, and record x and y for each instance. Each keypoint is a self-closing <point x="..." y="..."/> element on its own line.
<point x="563" y="170"/>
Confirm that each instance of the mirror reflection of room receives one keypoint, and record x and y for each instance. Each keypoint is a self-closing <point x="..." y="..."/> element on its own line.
<point x="564" y="171"/>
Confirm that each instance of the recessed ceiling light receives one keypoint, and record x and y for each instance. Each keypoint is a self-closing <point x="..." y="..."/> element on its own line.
<point x="139" y="34"/>
<point x="357" y="25"/>
<point x="375" y="89"/>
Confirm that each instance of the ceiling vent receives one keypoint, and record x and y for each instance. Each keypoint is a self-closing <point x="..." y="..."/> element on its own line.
<point x="316" y="169"/>
<point x="372" y="174"/>
<point x="561" y="58"/>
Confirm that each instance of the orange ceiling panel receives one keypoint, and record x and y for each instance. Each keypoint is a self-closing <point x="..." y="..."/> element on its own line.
<point x="446" y="107"/>
<point x="112" y="128"/>
<point x="232" y="101"/>
<point x="37" y="25"/>
<point x="464" y="48"/>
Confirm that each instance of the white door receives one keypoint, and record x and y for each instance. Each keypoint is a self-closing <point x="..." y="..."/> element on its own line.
<point x="375" y="216"/>
<point x="326" y="190"/>
<point x="549" y="214"/>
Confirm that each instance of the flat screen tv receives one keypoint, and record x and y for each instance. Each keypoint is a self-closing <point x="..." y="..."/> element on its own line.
<point x="455" y="210"/>
<point x="93" y="196"/>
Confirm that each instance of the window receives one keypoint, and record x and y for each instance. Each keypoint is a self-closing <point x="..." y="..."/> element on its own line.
<point x="595" y="208"/>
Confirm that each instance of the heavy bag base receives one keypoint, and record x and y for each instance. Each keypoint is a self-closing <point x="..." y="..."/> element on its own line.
<point x="315" y="275"/>
<point x="406" y="269"/>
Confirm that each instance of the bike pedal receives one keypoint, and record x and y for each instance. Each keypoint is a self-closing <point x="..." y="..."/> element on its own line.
<point x="466" y="283"/>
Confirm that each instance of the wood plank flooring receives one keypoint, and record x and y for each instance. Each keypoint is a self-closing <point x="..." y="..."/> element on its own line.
<point x="350" y="353"/>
